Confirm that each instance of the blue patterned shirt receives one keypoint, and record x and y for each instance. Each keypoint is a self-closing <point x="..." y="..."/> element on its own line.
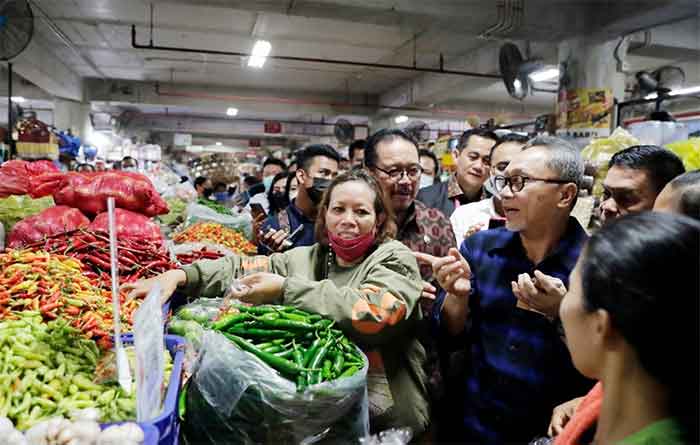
<point x="520" y="366"/>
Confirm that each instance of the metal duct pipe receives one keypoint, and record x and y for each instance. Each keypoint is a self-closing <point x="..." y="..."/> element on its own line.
<point x="244" y="119"/>
<point x="440" y="70"/>
<point x="500" y="9"/>
<point x="287" y="101"/>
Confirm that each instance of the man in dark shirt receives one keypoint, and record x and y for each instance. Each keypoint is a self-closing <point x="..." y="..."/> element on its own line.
<point x="465" y="186"/>
<point x="636" y="176"/>
<point x="317" y="165"/>
<point x="520" y="366"/>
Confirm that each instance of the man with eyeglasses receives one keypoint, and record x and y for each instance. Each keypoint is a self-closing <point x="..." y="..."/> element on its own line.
<point x="466" y="185"/>
<point x="488" y="213"/>
<point x="392" y="157"/>
<point x="520" y="367"/>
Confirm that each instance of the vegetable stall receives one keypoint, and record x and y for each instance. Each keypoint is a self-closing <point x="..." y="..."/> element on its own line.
<point x="290" y="375"/>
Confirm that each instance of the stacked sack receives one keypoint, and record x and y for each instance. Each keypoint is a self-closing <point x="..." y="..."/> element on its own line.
<point x="80" y="198"/>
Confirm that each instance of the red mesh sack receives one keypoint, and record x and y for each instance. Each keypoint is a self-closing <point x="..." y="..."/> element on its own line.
<point x="129" y="225"/>
<point x="15" y="176"/>
<point x="51" y="221"/>
<point x="89" y="192"/>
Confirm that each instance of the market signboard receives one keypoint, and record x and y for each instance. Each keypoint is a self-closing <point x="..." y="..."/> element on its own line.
<point x="585" y="112"/>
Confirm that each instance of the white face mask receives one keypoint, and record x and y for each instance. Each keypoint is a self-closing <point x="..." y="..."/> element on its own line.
<point x="426" y="180"/>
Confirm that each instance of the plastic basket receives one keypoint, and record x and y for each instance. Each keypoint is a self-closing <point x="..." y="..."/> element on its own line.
<point x="168" y="422"/>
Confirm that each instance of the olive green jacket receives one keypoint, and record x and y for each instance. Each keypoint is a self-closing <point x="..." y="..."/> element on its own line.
<point x="375" y="303"/>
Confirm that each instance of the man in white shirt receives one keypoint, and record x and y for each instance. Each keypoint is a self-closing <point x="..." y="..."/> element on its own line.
<point x="469" y="219"/>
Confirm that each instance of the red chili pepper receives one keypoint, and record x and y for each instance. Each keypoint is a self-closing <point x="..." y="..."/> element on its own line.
<point x="72" y="310"/>
<point x="51" y="315"/>
<point x="49" y="307"/>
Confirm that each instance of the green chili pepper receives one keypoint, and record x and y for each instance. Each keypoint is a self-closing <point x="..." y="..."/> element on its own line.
<point x="280" y="364"/>
<point x="327" y="370"/>
<point x="259" y="333"/>
<point x="228" y="321"/>
<point x="274" y="349"/>
<point x="349" y="372"/>
<point x="288" y="324"/>
<point x="285" y="354"/>
<point x="311" y="352"/>
<point x="317" y="360"/>
<point x="338" y="363"/>
<point x="261" y="310"/>
<point x="295" y="316"/>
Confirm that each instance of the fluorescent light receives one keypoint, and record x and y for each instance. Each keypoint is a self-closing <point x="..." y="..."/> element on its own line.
<point x="689" y="90"/>
<point x="231" y="111"/>
<point x="218" y="143"/>
<point x="401" y="119"/>
<point x="261" y="50"/>
<point x="18" y="99"/>
<point x="545" y="74"/>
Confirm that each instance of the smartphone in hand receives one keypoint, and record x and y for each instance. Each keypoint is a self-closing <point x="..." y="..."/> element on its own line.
<point x="257" y="209"/>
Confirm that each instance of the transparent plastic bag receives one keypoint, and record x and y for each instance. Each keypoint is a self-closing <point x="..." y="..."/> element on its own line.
<point x="542" y="441"/>
<point x="235" y="398"/>
<point x="241" y="221"/>
<point x="393" y="436"/>
<point x="149" y="344"/>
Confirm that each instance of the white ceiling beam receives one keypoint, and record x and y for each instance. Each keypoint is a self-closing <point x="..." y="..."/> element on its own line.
<point x="433" y="89"/>
<point x="211" y="97"/>
<point x="677" y="41"/>
<point x="38" y="64"/>
<point x="387" y="13"/>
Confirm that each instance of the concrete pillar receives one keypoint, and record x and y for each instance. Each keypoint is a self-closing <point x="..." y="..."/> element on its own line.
<point x="73" y="115"/>
<point x="592" y="66"/>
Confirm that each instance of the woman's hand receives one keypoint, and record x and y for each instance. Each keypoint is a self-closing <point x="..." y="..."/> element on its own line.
<point x="259" y="288"/>
<point x="561" y="416"/>
<point x="168" y="281"/>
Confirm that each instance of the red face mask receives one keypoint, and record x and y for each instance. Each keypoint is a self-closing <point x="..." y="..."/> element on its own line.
<point x="351" y="249"/>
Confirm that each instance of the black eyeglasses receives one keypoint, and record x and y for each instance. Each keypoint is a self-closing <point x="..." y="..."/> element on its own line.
<point x="517" y="182"/>
<point x="413" y="172"/>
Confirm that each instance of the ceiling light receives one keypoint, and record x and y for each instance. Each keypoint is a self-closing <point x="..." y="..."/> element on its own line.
<point x="18" y="99"/>
<point x="544" y="74"/>
<point x="678" y="92"/>
<point x="261" y="50"/>
<point x="231" y="111"/>
<point x="401" y="119"/>
<point x="218" y="143"/>
<point x="689" y="90"/>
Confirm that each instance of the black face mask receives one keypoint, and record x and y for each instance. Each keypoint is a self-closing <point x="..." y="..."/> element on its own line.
<point x="208" y="192"/>
<point x="278" y="200"/>
<point x="319" y="186"/>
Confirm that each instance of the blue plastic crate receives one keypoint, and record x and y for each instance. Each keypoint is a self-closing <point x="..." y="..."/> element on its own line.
<point x="168" y="422"/>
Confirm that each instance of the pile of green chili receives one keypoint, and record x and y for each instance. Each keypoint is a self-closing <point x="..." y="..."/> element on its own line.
<point x="303" y="347"/>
